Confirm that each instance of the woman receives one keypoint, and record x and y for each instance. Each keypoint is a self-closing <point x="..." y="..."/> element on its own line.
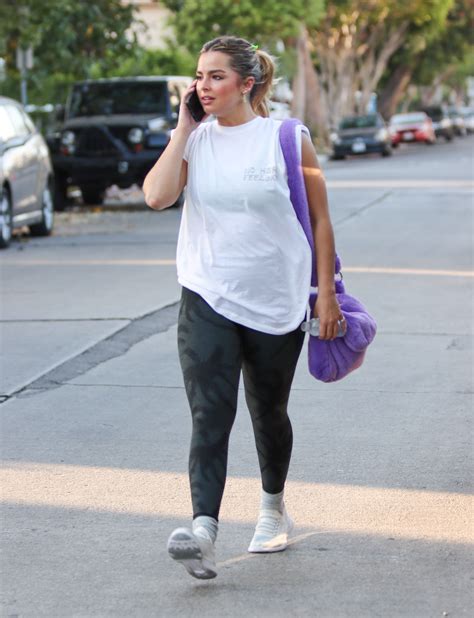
<point x="245" y="267"/>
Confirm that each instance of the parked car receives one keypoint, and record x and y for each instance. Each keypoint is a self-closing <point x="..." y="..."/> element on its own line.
<point x="457" y="118"/>
<point x="468" y="115"/>
<point x="113" y="132"/>
<point x="361" y="135"/>
<point x="442" y="123"/>
<point x="411" y="128"/>
<point x="26" y="175"/>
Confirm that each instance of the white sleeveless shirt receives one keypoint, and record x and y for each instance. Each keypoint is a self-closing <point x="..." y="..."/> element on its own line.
<point x="241" y="246"/>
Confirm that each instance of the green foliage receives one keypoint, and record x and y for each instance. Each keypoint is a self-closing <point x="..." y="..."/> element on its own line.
<point x="68" y="37"/>
<point x="452" y="47"/>
<point x="170" y="61"/>
<point x="446" y="43"/>
<point x="264" y="22"/>
<point x="41" y="89"/>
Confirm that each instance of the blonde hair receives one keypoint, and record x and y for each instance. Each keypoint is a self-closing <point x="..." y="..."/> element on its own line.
<point x="248" y="61"/>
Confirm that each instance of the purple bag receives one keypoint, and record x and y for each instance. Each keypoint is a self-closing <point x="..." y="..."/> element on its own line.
<point x="328" y="360"/>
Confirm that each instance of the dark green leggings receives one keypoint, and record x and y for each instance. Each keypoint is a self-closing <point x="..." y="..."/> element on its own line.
<point x="212" y="351"/>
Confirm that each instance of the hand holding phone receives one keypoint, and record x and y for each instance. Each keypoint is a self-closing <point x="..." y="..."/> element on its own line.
<point x="194" y="106"/>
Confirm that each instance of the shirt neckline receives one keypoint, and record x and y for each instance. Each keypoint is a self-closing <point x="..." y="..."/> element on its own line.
<point x="239" y="127"/>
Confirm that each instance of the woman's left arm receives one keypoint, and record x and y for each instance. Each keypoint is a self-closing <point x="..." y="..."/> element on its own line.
<point x="327" y="307"/>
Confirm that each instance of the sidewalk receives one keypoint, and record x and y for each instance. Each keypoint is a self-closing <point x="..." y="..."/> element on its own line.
<point x="95" y="457"/>
<point x="96" y="480"/>
<point x="376" y="490"/>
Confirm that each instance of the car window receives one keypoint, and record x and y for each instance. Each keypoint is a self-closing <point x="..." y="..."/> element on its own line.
<point x="107" y="98"/>
<point x="359" y="122"/>
<point x="436" y="113"/>
<point x="17" y="119"/>
<point x="407" y="118"/>
<point x="7" y="130"/>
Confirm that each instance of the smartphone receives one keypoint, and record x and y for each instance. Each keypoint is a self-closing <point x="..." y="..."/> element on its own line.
<point x="195" y="108"/>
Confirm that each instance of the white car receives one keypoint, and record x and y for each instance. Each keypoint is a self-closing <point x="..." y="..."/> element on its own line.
<point x="26" y="175"/>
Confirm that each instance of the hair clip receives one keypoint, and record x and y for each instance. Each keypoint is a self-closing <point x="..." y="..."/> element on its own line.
<point x="254" y="47"/>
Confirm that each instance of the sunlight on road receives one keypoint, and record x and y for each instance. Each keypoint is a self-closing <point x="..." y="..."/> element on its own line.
<point x="381" y="511"/>
<point x="294" y="540"/>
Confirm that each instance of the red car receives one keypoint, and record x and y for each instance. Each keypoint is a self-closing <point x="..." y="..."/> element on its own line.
<point x="411" y="127"/>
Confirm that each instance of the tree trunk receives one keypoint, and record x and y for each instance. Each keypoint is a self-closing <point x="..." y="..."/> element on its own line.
<point x="309" y="101"/>
<point x="373" y="62"/>
<point x="353" y="58"/>
<point x="394" y="90"/>
<point x="315" y="104"/>
<point x="298" y="104"/>
<point x="428" y="94"/>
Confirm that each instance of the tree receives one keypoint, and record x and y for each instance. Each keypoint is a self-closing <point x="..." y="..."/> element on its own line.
<point x="438" y="57"/>
<point x="67" y="37"/>
<point x="264" y="22"/>
<point x="353" y="44"/>
<point x="338" y="54"/>
<point x="273" y="24"/>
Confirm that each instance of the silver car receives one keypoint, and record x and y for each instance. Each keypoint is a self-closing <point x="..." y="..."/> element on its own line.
<point x="26" y="175"/>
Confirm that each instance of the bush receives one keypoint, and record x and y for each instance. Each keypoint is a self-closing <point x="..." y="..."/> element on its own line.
<point x="171" y="61"/>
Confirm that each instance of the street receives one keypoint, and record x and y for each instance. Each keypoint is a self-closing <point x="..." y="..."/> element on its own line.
<point x="95" y="423"/>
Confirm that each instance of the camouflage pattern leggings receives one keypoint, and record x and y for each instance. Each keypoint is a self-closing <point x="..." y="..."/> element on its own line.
<point x="212" y="351"/>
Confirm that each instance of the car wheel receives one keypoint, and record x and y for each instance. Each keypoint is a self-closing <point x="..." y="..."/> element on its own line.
<point x="394" y="145"/>
<point x="337" y="157"/>
<point x="92" y="196"/>
<point x="387" y="152"/>
<point x="6" y="220"/>
<point x="45" y="226"/>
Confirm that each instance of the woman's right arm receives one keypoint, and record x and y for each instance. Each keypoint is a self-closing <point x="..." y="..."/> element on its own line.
<point x="167" y="178"/>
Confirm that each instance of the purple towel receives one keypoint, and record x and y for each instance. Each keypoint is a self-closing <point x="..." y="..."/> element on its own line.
<point x="328" y="360"/>
<point x="298" y="192"/>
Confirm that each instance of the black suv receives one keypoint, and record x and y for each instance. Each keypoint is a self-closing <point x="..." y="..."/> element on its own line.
<point x="113" y="132"/>
<point x="442" y="123"/>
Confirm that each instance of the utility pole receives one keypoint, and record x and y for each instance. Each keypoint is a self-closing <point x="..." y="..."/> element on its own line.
<point x="24" y="63"/>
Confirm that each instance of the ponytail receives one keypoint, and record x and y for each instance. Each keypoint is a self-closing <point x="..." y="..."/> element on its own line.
<point x="260" y="93"/>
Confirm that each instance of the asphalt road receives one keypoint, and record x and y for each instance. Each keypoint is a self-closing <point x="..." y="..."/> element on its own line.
<point x="95" y="426"/>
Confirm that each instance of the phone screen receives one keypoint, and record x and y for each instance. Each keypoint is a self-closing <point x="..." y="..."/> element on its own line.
<point x="195" y="108"/>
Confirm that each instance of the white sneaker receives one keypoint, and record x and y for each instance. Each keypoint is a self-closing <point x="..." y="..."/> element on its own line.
<point x="195" y="551"/>
<point x="271" y="533"/>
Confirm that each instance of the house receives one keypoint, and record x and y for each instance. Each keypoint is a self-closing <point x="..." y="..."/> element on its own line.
<point x="154" y="31"/>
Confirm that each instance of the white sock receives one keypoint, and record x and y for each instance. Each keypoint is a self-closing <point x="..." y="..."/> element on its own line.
<point x="273" y="502"/>
<point x="209" y="524"/>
